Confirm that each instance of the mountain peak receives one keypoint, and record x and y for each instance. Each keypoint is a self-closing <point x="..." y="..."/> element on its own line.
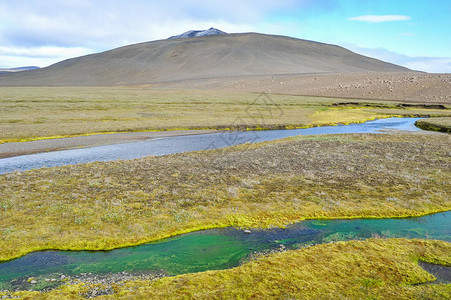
<point x="197" y="33"/>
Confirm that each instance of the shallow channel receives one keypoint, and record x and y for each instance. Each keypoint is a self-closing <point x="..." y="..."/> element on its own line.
<point x="171" y="145"/>
<point x="211" y="249"/>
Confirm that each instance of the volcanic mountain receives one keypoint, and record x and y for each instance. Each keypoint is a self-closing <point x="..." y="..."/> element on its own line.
<point x="210" y="56"/>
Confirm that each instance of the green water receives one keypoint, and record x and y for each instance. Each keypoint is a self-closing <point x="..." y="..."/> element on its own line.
<point x="211" y="249"/>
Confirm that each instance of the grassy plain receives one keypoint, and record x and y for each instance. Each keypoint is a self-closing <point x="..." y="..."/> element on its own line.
<point x="28" y="113"/>
<point x="114" y="204"/>
<point x="371" y="269"/>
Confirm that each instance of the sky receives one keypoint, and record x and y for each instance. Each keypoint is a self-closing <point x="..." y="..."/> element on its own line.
<point x="414" y="33"/>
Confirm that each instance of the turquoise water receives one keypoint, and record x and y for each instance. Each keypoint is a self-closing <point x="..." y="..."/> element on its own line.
<point x="215" y="249"/>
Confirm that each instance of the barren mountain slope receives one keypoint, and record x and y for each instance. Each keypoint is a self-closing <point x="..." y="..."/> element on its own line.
<point x="201" y="57"/>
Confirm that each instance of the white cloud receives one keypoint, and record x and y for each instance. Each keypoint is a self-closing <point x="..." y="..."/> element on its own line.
<point x="380" y="18"/>
<point x="418" y="63"/>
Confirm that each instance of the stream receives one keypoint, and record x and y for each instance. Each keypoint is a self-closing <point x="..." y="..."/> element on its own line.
<point x="211" y="249"/>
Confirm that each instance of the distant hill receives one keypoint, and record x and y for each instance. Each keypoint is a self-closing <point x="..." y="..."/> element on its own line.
<point x="218" y="55"/>
<point x="20" y="69"/>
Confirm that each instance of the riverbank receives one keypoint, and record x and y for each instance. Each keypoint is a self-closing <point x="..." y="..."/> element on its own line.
<point x="101" y="206"/>
<point x="435" y="124"/>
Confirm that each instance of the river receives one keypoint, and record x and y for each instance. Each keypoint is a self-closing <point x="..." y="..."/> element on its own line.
<point x="171" y="145"/>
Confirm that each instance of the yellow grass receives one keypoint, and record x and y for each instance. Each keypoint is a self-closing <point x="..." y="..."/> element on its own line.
<point x="346" y="116"/>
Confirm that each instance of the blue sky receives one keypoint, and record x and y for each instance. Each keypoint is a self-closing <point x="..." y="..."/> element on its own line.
<point x="415" y="33"/>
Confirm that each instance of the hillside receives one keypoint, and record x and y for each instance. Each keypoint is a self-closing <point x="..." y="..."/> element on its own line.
<point x="222" y="55"/>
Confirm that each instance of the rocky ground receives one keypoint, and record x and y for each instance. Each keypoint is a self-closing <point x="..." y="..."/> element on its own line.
<point x="409" y="87"/>
<point x="98" y="284"/>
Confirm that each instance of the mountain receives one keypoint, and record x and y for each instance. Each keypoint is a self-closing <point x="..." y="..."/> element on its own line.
<point x="213" y="56"/>
<point x="197" y="33"/>
<point x="19" y="69"/>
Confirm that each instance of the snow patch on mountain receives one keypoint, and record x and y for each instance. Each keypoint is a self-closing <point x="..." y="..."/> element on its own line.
<point x="197" y="33"/>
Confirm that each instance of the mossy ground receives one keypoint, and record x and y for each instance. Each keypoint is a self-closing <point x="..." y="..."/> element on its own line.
<point x="371" y="269"/>
<point x="108" y="205"/>
<point x="30" y="113"/>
